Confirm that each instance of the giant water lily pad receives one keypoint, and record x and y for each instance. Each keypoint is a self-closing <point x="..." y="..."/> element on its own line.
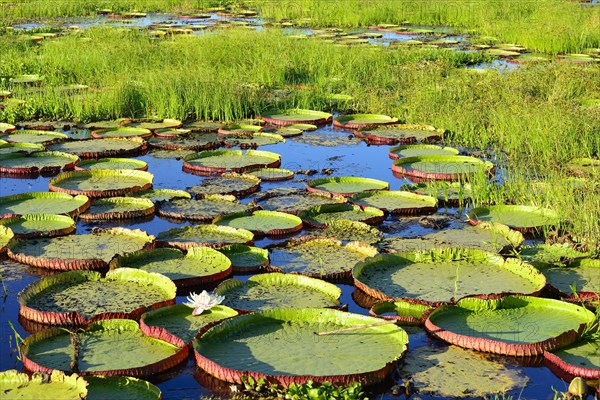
<point x="252" y="345"/>
<point x="401" y="133"/>
<point x="35" y="137"/>
<point x="521" y="218"/>
<point x="396" y="244"/>
<point x="263" y="222"/>
<point x="220" y="161"/>
<point x="153" y="126"/>
<point x="101" y="183"/>
<point x="177" y="320"/>
<point x="74" y="252"/>
<point x="246" y="259"/>
<point x="118" y="208"/>
<point x="580" y="276"/>
<point x="234" y="184"/>
<point x="120" y="388"/>
<point x="6" y="235"/>
<point x="203" y="126"/>
<point x="205" y="235"/>
<point x="546" y="255"/>
<point x="350" y="231"/>
<point x="415" y="150"/>
<point x="43" y="203"/>
<point x="296" y="116"/>
<point x="31" y="225"/>
<point x="121" y="132"/>
<point x="27" y="148"/>
<point x="4" y="127"/>
<point x="321" y="216"/>
<point x="442" y="275"/>
<point x="287" y="132"/>
<point x="345" y="186"/>
<point x="396" y="202"/>
<point x="276" y="290"/>
<point x="327" y="138"/>
<point x="363" y="121"/>
<point x="193" y="141"/>
<point x="42" y="162"/>
<point x="445" y="168"/>
<point x="17" y="385"/>
<point x="579" y="359"/>
<point x="239" y="129"/>
<point x="486" y="236"/>
<point x="156" y="195"/>
<point x="113" y="163"/>
<point x="100" y="148"/>
<point x="254" y="140"/>
<point x="198" y="266"/>
<point x="79" y="297"/>
<point x="109" y="347"/>
<point x="513" y="325"/>
<point x="452" y="372"/>
<point x="170" y="133"/>
<point x="272" y="174"/>
<point x="205" y="209"/>
<point x="295" y="203"/>
<point x="319" y="257"/>
<point x="403" y="312"/>
<point x="448" y="193"/>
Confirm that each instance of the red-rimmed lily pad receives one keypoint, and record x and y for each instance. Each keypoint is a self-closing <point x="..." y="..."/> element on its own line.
<point x="272" y="174"/>
<point x="34" y="136"/>
<point x="444" y="168"/>
<point x="303" y="127"/>
<point x="200" y="265"/>
<point x="118" y="208"/>
<point x="100" y="148"/>
<point x="205" y="209"/>
<point x="252" y="344"/>
<point x="193" y="141"/>
<point x="400" y="134"/>
<point x="246" y="259"/>
<point x="580" y="276"/>
<point x="219" y="161"/>
<point x="579" y="359"/>
<point x="345" y="186"/>
<point x="547" y="255"/>
<point x="156" y="195"/>
<point x="17" y="385"/>
<point x="486" y="236"/>
<point x="323" y="258"/>
<point x="42" y="162"/>
<point x="515" y="325"/>
<point x="521" y="218"/>
<point x="350" y="231"/>
<point x="295" y="203"/>
<point x="120" y="388"/>
<point x="27" y="79"/>
<point x="76" y="252"/>
<point x="109" y="124"/>
<point x="108" y="347"/>
<point x="363" y="121"/>
<point x="253" y="140"/>
<point x="37" y="225"/>
<point x="203" y="126"/>
<point x="403" y="312"/>
<point x="271" y="223"/>
<point x="101" y="182"/>
<point x="286" y="131"/>
<point x="321" y="216"/>
<point x="276" y="290"/>
<point x="6" y="235"/>
<point x="121" y="132"/>
<point x="204" y="235"/>
<point x="443" y="275"/>
<point x="239" y="129"/>
<point x="415" y="150"/>
<point x="113" y="163"/>
<point x="80" y="297"/>
<point x="239" y="185"/>
<point x="170" y="133"/>
<point x="43" y="203"/>
<point x="396" y="202"/>
<point x="27" y="148"/>
<point x="6" y="128"/>
<point x="167" y="123"/>
<point x="296" y="116"/>
<point x="177" y="320"/>
<point x="448" y="193"/>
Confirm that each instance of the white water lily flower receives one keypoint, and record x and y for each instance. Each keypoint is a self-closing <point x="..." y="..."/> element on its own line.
<point x="203" y="301"/>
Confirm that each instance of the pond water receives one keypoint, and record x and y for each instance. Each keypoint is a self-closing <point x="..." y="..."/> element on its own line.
<point x="349" y="157"/>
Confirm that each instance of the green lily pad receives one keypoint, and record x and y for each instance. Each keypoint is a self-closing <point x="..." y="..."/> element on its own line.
<point x="4" y="127"/>
<point x="178" y="320"/>
<point x="295" y="203"/>
<point x="452" y="372"/>
<point x="78" y="297"/>
<point x="203" y="126"/>
<point x="581" y="276"/>
<point x="252" y="345"/>
<point x="521" y="218"/>
<point x="263" y="222"/>
<point x="153" y="126"/>
<point x="43" y="203"/>
<point x="45" y="162"/>
<point x="170" y="133"/>
<point x="254" y="140"/>
<point x="121" y="132"/>
<point x="322" y="258"/>
<point x="447" y="168"/>
<point x="28" y="79"/>
<point x="101" y="148"/>
<point x="345" y="186"/>
<point x="349" y="231"/>
<point x="193" y="141"/>
<point x="450" y="193"/>
<point x="6" y="235"/>
<point x="415" y="150"/>
<point x="234" y="184"/>
<point x="513" y="325"/>
<point x="104" y="348"/>
<point x="403" y="312"/>
<point x="326" y="138"/>
<point x="35" y="137"/>
<point x="401" y="133"/>
<point x="441" y="275"/>
<point x="220" y="161"/>
<point x="579" y="359"/>
<point x="73" y="252"/>
<point x="118" y="208"/>
<point x="491" y="237"/>
<point x="362" y="121"/>
<point x="113" y="163"/>
<point x="31" y="225"/>
<point x="546" y="255"/>
<point x="272" y="174"/>
<point x="205" y="235"/>
<point x="243" y="129"/>
<point x="245" y="258"/>
<point x="397" y="244"/>
<point x="501" y="53"/>
<point x="203" y="210"/>
<point x="198" y="266"/>
<point x="17" y="385"/>
<point x="321" y="216"/>
<point x="27" y="148"/>
<point x="296" y="116"/>
<point x="303" y="127"/>
<point x="120" y="388"/>
<point x="396" y="202"/>
<point x="156" y="195"/>
<point x="97" y="125"/>
<point x="275" y="290"/>
<point x="101" y="183"/>
<point x="286" y="131"/>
